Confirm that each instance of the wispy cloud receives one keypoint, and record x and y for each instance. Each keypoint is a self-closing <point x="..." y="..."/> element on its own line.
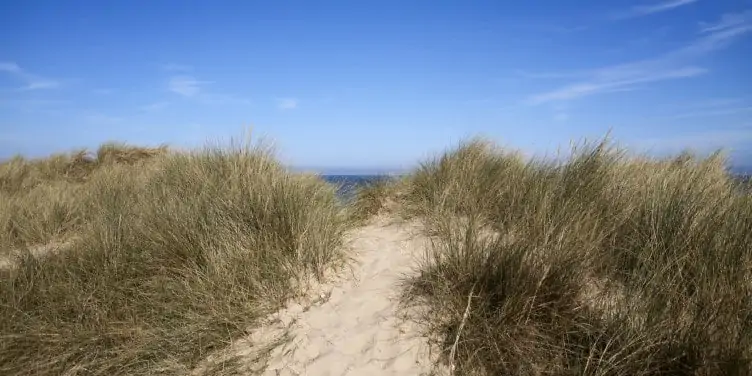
<point x="648" y="9"/>
<point x="717" y="36"/>
<point x="661" y="7"/>
<point x="287" y="103"/>
<point x="186" y="86"/>
<point x="190" y="87"/>
<point x="607" y="81"/>
<point x="31" y="81"/>
<point x="676" y="64"/>
<point x="727" y="21"/>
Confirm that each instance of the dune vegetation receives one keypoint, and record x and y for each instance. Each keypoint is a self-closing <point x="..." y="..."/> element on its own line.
<point x="602" y="264"/>
<point x="137" y="260"/>
<point x="146" y="261"/>
<point x="371" y="197"/>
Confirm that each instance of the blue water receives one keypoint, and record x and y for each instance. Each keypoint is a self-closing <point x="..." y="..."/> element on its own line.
<point x="348" y="184"/>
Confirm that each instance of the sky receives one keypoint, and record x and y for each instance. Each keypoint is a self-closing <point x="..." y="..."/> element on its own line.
<point x="377" y="84"/>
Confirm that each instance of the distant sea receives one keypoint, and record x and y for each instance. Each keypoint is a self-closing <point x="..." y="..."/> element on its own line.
<point x="349" y="183"/>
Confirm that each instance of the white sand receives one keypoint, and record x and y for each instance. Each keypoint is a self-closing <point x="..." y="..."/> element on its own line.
<point x="356" y="328"/>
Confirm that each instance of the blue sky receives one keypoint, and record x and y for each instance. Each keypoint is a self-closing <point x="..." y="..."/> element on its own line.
<point x="372" y="84"/>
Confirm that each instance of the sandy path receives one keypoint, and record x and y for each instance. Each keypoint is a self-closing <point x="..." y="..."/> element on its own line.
<point x="358" y="329"/>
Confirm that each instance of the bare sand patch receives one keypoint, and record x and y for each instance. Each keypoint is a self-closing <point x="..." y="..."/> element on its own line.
<point x="353" y="324"/>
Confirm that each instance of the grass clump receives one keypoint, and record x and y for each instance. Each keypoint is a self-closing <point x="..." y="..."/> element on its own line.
<point x="40" y="199"/>
<point x="19" y="174"/>
<point x="174" y="256"/>
<point x="603" y="264"/>
<point x="372" y="197"/>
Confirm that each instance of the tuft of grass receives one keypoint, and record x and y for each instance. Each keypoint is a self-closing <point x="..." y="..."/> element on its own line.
<point x="44" y="214"/>
<point x="19" y="174"/>
<point x="372" y="197"/>
<point x="602" y="264"/>
<point x="172" y="256"/>
<point x="41" y="198"/>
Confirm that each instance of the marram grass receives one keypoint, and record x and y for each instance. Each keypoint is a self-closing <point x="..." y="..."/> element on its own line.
<point x="154" y="259"/>
<point x="603" y="264"/>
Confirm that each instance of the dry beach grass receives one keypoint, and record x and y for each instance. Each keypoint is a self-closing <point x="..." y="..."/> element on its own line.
<point x="603" y="264"/>
<point x="166" y="256"/>
<point x="150" y="261"/>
